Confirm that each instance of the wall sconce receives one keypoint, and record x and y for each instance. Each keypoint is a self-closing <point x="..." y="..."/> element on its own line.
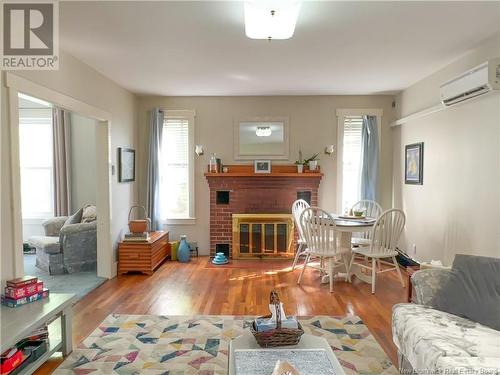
<point x="330" y="149"/>
<point x="198" y="150"/>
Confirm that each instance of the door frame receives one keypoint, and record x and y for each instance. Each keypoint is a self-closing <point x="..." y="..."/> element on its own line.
<point x="15" y="85"/>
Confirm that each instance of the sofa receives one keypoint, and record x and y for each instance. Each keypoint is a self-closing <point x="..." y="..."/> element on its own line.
<point x="69" y="244"/>
<point x="433" y="341"/>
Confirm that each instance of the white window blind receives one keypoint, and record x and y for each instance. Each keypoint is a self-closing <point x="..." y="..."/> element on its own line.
<point x="175" y="189"/>
<point x="36" y="159"/>
<point x="351" y="161"/>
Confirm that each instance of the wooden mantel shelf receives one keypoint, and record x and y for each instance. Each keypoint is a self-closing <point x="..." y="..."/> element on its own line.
<point x="276" y="171"/>
<point x="301" y="175"/>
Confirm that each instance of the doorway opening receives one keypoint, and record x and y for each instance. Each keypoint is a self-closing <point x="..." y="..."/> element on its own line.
<point x="57" y="154"/>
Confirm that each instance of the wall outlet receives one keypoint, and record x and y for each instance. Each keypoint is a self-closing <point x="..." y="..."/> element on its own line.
<point x="414" y="248"/>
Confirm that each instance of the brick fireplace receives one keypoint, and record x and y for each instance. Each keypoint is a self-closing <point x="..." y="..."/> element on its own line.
<point x="240" y="191"/>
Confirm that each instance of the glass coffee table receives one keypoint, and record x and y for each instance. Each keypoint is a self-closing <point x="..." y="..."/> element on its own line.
<point x="313" y="355"/>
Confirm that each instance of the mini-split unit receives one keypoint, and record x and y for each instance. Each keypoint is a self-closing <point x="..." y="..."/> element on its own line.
<point x="475" y="82"/>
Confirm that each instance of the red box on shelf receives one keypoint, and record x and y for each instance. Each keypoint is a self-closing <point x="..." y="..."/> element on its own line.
<point x="24" y="291"/>
<point x="22" y="281"/>
<point x="10" y="363"/>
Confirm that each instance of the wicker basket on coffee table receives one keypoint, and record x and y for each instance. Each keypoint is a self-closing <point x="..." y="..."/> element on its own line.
<point x="278" y="336"/>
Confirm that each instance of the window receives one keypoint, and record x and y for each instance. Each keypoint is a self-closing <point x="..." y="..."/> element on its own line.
<point x="351" y="161"/>
<point x="36" y="158"/>
<point x="177" y="166"/>
<point x="349" y="148"/>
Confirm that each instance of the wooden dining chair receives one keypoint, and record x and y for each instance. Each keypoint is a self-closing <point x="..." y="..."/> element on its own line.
<point x="297" y="208"/>
<point x="385" y="235"/>
<point x="373" y="210"/>
<point x="321" y="241"/>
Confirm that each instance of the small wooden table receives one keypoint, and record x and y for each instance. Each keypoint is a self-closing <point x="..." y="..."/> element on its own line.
<point x="18" y="323"/>
<point x="143" y="256"/>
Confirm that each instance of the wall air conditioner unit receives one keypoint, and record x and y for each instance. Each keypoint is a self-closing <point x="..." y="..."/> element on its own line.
<point x="474" y="82"/>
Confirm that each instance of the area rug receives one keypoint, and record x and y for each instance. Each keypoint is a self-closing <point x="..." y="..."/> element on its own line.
<point x="175" y="345"/>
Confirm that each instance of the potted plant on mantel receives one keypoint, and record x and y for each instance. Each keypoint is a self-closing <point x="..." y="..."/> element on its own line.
<point x="300" y="163"/>
<point x="312" y="162"/>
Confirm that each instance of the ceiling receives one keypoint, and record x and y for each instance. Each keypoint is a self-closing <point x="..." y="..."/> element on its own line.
<point x="200" y="48"/>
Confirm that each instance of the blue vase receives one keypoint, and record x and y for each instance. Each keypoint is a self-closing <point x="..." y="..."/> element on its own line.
<point x="183" y="253"/>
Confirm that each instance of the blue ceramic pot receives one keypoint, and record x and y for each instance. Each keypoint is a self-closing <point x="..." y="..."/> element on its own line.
<point x="183" y="253"/>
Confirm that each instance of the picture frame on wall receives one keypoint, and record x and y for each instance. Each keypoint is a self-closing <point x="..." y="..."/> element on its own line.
<point x="262" y="166"/>
<point x="414" y="164"/>
<point x="126" y="164"/>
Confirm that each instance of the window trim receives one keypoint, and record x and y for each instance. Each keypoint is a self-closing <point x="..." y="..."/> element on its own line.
<point x="40" y="214"/>
<point x="26" y="119"/>
<point x="189" y="115"/>
<point x="341" y="114"/>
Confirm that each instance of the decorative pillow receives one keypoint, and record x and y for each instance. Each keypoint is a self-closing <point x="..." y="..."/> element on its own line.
<point x="75" y="218"/>
<point x="472" y="290"/>
<point x="89" y="213"/>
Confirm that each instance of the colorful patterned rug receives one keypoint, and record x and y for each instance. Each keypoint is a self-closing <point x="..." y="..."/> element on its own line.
<point x="175" y="345"/>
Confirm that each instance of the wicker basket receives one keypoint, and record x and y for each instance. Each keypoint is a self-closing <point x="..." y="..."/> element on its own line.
<point x="277" y="336"/>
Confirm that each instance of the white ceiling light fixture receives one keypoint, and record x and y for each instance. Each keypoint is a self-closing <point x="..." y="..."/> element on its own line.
<point x="271" y="19"/>
<point x="263" y="131"/>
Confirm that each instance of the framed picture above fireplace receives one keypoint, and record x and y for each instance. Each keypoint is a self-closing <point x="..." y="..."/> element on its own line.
<point x="262" y="166"/>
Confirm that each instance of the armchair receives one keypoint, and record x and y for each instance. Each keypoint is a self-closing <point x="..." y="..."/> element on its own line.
<point x="66" y="248"/>
<point x="52" y="226"/>
<point x="79" y="246"/>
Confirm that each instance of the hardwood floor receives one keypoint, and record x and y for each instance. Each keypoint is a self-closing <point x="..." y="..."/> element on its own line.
<point x="241" y="288"/>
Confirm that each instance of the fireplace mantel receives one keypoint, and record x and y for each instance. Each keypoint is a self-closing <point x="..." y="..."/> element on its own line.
<point x="241" y="191"/>
<point x="276" y="171"/>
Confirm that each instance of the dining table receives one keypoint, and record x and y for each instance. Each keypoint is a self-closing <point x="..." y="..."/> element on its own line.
<point x="346" y="226"/>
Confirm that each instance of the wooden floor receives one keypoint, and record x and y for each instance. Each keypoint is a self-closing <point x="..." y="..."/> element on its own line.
<point x="241" y="288"/>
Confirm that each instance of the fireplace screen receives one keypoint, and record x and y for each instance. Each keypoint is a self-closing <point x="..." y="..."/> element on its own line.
<point x="262" y="235"/>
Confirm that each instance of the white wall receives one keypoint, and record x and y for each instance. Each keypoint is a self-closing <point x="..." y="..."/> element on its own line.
<point x="83" y="83"/>
<point x="83" y="161"/>
<point x="313" y="125"/>
<point x="457" y="209"/>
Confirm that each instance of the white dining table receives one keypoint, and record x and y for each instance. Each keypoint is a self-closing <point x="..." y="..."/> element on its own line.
<point x="347" y="227"/>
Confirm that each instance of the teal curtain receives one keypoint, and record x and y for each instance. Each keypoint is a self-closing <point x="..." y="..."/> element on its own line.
<point x="369" y="158"/>
<point x="153" y="177"/>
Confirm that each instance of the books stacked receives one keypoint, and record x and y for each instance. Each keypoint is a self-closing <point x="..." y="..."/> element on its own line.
<point x="136" y="237"/>
<point x="23" y="290"/>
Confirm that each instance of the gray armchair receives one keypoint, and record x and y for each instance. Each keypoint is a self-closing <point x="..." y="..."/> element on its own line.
<point x="66" y="248"/>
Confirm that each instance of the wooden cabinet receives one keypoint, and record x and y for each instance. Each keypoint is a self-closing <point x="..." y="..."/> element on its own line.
<point x="143" y="256"/>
